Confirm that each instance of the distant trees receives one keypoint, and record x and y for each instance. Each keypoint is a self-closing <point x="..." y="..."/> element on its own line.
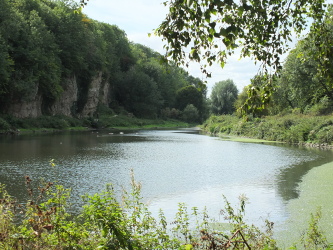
<point x="307" y="78"/>
<point x="223" y="97"/>
<point x="305" y="83"/>
<point x="188" y="95"/>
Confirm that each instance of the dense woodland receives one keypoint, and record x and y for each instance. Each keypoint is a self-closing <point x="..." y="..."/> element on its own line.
<point x="303" y="86"/>
<point x="45" y="43"/>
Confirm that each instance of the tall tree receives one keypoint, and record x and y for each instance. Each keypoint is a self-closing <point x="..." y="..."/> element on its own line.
<point x="223" y="97"/>
<point x="213" y="30"/>
<point x="307" y="75"/>
<point x="188" y="95"/>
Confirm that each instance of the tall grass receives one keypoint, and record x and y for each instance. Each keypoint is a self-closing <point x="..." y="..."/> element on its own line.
<point x="109" y="222"/>
<point x="291" y="128"/>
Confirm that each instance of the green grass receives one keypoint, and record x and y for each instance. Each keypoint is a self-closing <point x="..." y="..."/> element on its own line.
<point x="106" y="121"/>
<point x="292" y="128"/>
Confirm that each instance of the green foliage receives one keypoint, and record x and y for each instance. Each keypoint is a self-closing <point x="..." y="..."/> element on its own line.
<point x="314" y="238"/>
<point x="190" y="114"/>
<point x="139" y="94"/>
<point x="171" y="113"/>
<point x="106" y="119"/>
<point x="291" y="128"/>
<point x="213" y="30"/>
<point x="190" y="95"/>
<point x="223" y="97"/>
<point x="4" y="126"/>
<point x="108" y="221"/>
<point x="323" y="107"/>
<point x="43" y="43"/>
<point x="206" y="26"/>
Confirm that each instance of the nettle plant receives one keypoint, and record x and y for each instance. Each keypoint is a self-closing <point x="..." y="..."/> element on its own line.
<point x="111" y="221"/>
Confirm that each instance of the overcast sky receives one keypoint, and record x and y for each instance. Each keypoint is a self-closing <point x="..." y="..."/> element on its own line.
<point x="139" y="17"/>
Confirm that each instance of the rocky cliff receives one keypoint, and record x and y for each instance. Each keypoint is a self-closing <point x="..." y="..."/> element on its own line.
<point x="66" y="104"/>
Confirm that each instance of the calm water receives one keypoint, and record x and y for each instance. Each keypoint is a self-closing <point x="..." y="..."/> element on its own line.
<point x="173" y="166"/>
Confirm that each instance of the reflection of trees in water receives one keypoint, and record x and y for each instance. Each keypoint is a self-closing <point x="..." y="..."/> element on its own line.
<point x="79" y="157"/>
<point x="289" y="178"/>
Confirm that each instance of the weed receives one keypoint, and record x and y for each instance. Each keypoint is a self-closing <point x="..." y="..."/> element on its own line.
<point x="111" y="222"/>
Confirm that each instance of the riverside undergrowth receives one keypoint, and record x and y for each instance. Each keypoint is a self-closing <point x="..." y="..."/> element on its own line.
<point x="291" y="128"/>
<point x="108" y="221"/>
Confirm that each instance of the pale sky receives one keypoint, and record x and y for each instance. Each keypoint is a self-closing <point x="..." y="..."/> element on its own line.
<point x="139" y="17"/>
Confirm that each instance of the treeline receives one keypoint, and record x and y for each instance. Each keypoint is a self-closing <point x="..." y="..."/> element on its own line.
<point x="44" y="43"/>
<point x="304" y="85"/>
<point x="298" y="110"/>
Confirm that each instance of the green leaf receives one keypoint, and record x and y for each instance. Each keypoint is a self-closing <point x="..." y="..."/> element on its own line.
<point x="189" y="3"/>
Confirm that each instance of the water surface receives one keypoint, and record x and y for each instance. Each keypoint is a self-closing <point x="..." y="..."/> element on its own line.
<point x="172" y="165"/>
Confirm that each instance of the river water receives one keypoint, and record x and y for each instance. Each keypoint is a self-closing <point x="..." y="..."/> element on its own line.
<point x="172" y="165"/>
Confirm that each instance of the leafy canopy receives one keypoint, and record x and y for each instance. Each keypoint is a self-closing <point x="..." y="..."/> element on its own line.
<point x="223" y="97"/>
<point x="209" y="31"/>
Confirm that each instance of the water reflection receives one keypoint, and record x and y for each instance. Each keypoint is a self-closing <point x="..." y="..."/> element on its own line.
<point x="173" y="166"/>
<point x="289" y="178"/>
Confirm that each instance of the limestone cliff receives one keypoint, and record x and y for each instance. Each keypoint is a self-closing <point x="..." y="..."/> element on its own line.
<point x="30" y="107"/>
<point x="65" y="104"/>
<point x="98" y="93"/>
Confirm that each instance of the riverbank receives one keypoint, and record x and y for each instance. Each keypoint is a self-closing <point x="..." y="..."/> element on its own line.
<point x="11" y="125"/>
<point x="305" y="130"/>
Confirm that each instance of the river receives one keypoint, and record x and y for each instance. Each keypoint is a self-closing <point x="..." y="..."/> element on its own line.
<point x="173" y="166"/>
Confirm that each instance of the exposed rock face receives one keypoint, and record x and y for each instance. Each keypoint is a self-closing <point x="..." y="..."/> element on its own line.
<point x="92" y="97"/>
<point x="65" y="104"/>
<point x="105" y="92"/>
<point x="30" y="108"/>
<point x="98" y="92"/>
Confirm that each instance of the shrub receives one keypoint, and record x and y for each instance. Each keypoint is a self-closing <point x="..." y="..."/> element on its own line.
<point x="171" y="113"/>
<point x="190" y="114"/>
<point x="323" y="107"/>
<point x="4" y="125"/>
<point x="104" y="110"/>
<point x="109" y="222"/>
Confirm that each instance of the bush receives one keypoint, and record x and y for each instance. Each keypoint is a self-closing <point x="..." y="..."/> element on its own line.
<point x="290" y="128"/>
<point x="190" y="114"/>
<point x="4" y="125"/>
<point x="323" y="107"/>
<point x="171" y="113"/>
<point x="108" y="222"/>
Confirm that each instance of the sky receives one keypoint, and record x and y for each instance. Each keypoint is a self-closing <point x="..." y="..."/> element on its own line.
<point x="140" y="17"/>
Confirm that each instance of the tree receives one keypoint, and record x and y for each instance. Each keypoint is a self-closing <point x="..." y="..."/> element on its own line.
<point x="296" y="88"/>
<point x="307" y="75"/>
<point x="190" y="114"/>
<point x="208" y="31"/>
<point x="223" y="97"/>
<point x="213" y="30"/>
<point x="189" y="95"/>
<point x="138" y="93"/>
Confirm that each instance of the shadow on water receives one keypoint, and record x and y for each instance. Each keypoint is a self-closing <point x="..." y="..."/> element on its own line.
<point x="289" y="178"/>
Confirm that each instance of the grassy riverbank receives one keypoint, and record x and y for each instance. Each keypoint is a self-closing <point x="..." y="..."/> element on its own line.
<point x="10" y="124"/>
<point x="314" y="131"/>
<point x="292" y="128"/>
